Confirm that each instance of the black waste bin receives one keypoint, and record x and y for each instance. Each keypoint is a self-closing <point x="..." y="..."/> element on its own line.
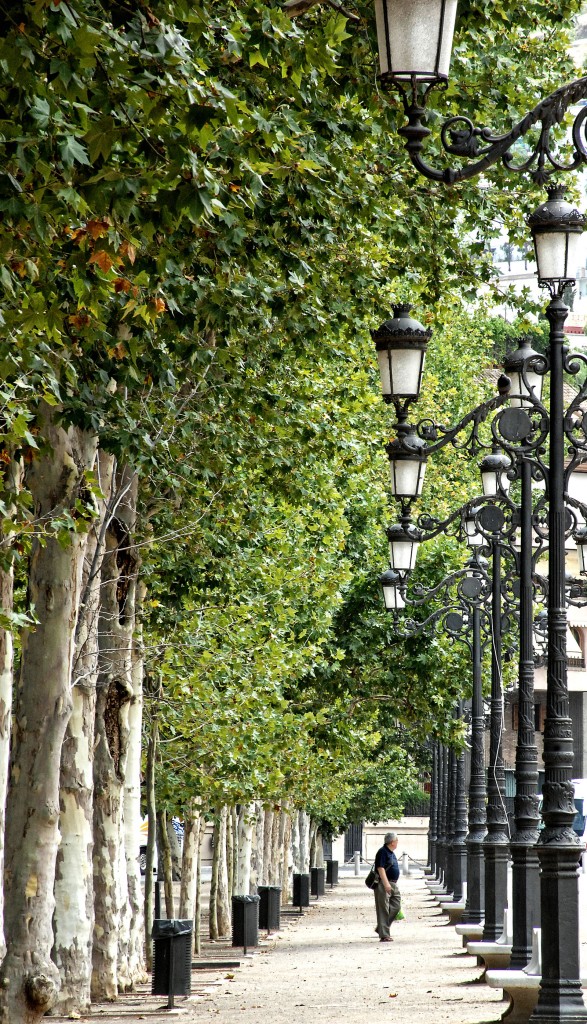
<point x="245" y="921"/>
<point x="332" y="872"/>
<point x="317" y="881"/>
<point x="172" y="957"/>
<point x="270" y="907"/>
<point x="301" y="890"/>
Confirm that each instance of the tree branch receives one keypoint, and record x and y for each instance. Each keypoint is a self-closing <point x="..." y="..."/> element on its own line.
<point x="295" y="8"/>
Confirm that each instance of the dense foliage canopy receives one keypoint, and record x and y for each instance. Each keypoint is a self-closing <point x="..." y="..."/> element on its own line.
<point x="204" y="209"/>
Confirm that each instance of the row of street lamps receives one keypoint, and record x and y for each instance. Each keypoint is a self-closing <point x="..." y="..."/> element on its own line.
<point x="415" y="44"/>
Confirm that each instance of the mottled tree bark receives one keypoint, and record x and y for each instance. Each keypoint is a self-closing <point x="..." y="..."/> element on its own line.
<point x="29" y="980"/>
<point x="189" y="862"/>
<point x="132" y="805"/>
<point x="223" y="905"/>
<point x="152" y="816"/>
<point x="246" y="823"/>
<point x="115" y="692"/>
<point x="165" y="861"/>
<point x="73" y="921"/>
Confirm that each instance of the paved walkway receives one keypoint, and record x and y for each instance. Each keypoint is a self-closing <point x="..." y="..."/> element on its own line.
<point x="329" y="966"/>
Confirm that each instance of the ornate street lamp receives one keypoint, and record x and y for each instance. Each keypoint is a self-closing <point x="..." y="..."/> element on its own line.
<point x="407" y="462"/>
<point x="415" y="38"/>
<point x="556" y="228"/>
<point x="522" y="367"/>
<point x="404" y="540"/>
<point x="393" y="596"/>
<point x="401" y="345"/>
<point x="580" y="537"/>
<point x="494" y="474"/>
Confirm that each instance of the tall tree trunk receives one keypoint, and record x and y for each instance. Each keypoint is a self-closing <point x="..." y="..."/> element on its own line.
<point x="115" y="691"/>
<point x="222" y="899"/>
<point x="258" y="847"/>
<point x="132" y="803"/>
<point x="198" y="893"/>
<point x="189" y="862"/>
<point x="267" y="845"/>
<point x="246" y="823"/>
<point x="304" y="834"/>
<point x="274" y="877"/>
<point x="214" y="880"/>
<point x="73" y="921"/>
<point x="296" y="853"/>
<point x="6" y="654"/>
<point x="174" y="851"/>
<point x="152" y="817"/>
<point x="13" y="483"/>
<point x="285" y="839"/>
<point x="29" y="980"/>
<point x="232" y="850"/>
<point x="165" y="861"/>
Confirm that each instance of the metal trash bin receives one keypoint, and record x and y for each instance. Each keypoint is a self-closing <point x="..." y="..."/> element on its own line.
<point x="245" y="921"/>
<point x="317" y="881"/>
<point x="269" y="907"/>
<point x="301" y="890"/>
<point x="172" y="957"/>
<point x="332" y="872"/>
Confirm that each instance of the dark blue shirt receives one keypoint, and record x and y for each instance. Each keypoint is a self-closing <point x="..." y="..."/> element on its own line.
<point x="387" y="859"/>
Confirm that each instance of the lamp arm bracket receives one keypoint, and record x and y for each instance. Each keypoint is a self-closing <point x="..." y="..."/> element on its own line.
<point x="460" y="137"/>
<point x="472" y="443"/>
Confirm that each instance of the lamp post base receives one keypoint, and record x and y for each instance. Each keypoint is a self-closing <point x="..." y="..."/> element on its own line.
<point x="496" y="855"/>
<point x="561" y="998"/>
<point x="526" y="901"/>
<point x="475" y="907"/>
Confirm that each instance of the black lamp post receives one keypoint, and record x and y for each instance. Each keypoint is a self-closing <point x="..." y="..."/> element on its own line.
<point x="458" y="854"/>
<point x="555" y="228"/>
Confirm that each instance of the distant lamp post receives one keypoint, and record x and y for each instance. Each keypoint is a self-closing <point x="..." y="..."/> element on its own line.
<point x="522" y="367"/>
<point x="494" y="474"/>
<point x="404" y="540"/>
<point x="474" y="537"/>
<point x="393" y="597"/>
<point x="580" y="537"/>
<point x="407" y="461"/>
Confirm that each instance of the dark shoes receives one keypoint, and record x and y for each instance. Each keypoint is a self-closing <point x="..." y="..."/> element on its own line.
<point x="386" y="938"/>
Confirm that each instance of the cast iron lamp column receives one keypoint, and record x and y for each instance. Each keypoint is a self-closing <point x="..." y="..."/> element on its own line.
<point x="475" y="904"/>
<point x="521" y="368"/>
<point x="459" y="849"/>
<point x="467" y="628"/>
<point x="556" y="227"/>
<point x="496" y="843"/>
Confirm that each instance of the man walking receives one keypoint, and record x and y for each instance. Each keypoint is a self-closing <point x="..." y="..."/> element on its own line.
<point x="387" y="895"/>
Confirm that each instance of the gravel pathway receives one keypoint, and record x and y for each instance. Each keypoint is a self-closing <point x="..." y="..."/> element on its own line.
<point x="329" y="966"/>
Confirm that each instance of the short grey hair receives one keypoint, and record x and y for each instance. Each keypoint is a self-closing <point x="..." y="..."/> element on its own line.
<point x="389" y="837"/>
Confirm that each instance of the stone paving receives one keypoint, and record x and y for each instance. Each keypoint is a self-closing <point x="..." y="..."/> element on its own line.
<point x="329" y="966"/>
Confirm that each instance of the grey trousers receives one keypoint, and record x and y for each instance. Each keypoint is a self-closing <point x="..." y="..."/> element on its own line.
<point x="387" y="908"/>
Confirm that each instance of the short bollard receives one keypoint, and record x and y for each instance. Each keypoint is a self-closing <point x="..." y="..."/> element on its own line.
<point x="405" y="864"/>
<point x="172" y="959"/>
<point x="245" y="921"/>
<point x="357" y="860"/>
<point x="270" y="907"/>
<point x="332" y="872"/>
<point x="301" y="890"/>
<point x="317" y="882"/>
